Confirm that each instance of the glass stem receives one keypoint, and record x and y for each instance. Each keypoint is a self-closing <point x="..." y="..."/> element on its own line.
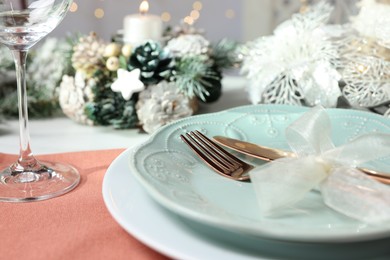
<point x="26" y="158"/>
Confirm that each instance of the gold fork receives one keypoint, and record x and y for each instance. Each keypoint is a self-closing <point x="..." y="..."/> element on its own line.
<point x="221" y="161"/>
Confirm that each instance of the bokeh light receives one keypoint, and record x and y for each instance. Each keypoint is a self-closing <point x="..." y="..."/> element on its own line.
<point x="189" y="20"/>
<point x="73" y="7"/>
<point x="166" y="17"/>
<point x="99" y="13"/>
<point x="230" y="14"/>
<point x="197" y="5"/>
<point x="195" y="14"/>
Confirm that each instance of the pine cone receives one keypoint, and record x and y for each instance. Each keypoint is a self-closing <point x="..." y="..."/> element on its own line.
<point x="188" y="45"/>
<point x="108" y="107"/>
<point x="74" y="94"/>
<point x="128" y="118"/>
<point x="161" y="104"/>
<point x="154" y="63"/>
<point x="112" y="111"/>
<point x="88" y="54"/>
<point x="182" y="29"/>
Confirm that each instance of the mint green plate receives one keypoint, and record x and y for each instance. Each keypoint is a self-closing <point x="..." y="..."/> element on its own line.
<point x="181" y="182"/>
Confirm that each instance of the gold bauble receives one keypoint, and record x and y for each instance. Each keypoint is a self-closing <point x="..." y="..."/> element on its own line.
<point x="112" y="49"/>
<point x="112" y="63"/>
<point x="127" y="49"/>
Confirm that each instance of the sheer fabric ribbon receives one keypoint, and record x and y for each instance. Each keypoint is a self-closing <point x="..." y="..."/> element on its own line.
<point x="320" y="165"/>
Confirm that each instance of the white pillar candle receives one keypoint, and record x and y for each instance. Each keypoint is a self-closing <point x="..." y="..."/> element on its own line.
<point x="139" y="28"/>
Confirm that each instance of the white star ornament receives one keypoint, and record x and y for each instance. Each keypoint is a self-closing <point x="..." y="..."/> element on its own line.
<point x="128" y="83"/>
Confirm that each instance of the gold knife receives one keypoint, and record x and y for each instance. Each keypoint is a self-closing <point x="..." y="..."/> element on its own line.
<point x="270" y="154"/>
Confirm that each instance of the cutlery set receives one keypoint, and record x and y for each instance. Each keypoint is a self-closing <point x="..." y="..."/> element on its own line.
<point x="228" y="165"/>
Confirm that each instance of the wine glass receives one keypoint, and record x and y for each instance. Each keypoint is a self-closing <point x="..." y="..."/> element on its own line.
<point x="22" y="24"/>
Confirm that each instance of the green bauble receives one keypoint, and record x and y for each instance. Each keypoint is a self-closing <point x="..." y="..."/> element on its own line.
<point x="154" y="63"/>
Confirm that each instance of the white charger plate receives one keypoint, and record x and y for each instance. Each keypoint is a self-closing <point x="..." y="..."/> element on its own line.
<point x="178" y="180"/>
<point x="139" y="215"/>
<point x="180" y="238"/>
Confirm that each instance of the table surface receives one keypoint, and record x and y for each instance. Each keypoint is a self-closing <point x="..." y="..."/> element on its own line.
<point x="61" y="134"/>
<point x="56" y="137"/>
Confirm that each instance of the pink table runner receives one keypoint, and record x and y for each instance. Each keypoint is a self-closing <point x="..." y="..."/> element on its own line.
<point x="76" y="225"/>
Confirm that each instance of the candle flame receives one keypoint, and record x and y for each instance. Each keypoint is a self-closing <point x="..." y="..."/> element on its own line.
<point x="144" y="7"/>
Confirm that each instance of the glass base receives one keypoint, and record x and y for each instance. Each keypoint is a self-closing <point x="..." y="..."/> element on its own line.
<point x="44" y="181"/>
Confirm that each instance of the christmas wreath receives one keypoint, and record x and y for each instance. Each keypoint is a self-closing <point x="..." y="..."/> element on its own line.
<point x="147" y="86"/>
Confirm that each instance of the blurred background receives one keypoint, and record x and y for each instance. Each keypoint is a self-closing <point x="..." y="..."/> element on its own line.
<point x="240" y="20"/>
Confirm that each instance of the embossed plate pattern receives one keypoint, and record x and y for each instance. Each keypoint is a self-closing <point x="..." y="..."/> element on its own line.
<point x="178" y="180"/>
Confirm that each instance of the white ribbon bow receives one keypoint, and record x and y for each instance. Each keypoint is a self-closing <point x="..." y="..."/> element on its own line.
<point x="319" y="164"/>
